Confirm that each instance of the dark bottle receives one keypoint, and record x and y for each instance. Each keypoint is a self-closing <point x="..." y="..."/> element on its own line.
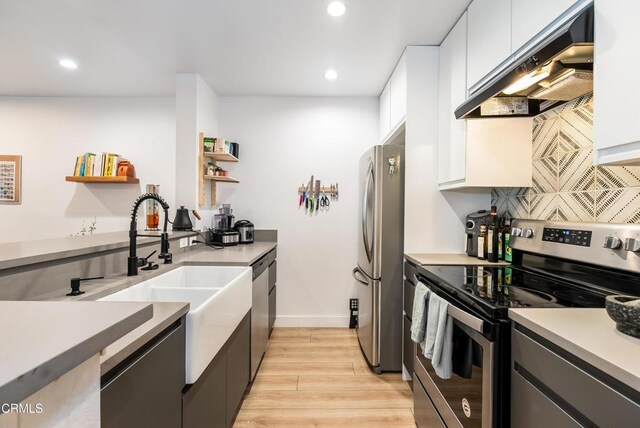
<point x="501" y="239"/>
<point x="508" y="257"/>
<point x="492" y="236"/>
<point x="482" y="243"/>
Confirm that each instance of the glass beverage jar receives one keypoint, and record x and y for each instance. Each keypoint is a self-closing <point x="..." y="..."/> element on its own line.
<point x="153" y="208"/>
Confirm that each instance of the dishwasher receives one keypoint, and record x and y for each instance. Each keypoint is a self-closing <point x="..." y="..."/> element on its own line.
<point x="259" y="313"/>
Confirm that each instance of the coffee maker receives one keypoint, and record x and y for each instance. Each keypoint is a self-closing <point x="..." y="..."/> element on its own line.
<point x="222" y="232"/>
<point x="472" y="229"/>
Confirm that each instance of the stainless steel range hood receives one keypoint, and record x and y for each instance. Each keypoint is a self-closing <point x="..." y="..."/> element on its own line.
<point x="557" y="70"/>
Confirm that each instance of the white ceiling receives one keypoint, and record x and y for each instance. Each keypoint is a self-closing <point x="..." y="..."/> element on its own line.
<point x="239" y="47"/>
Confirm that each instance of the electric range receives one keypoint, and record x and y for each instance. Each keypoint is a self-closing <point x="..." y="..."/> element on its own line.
<point x="555" y="265"/>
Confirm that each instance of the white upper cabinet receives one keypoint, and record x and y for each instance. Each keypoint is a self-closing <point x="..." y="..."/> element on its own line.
<point x="476" y="153"/>
<point x="530" y="17"/>
<point x="616" y="132"/>
<point x="393" y="100"/>
<point x="452" y="92"/>
<point x="385" y="111"/>
<point x="489" y="38"/>
<point x="399" y="93"/>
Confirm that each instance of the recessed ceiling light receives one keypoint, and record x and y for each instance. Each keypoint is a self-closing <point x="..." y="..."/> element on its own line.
<point x="331" y="74"/>
<point x="336" y="8"/>
<point x="67" y="63"/>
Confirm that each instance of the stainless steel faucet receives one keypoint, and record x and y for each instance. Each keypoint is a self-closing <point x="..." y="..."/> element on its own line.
<point x="134" y="262"/>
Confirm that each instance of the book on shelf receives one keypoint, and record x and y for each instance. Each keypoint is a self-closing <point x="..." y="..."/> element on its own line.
<point x="209" y="144"/>
<point x="92" y="165"/>
<point x="76" y="170"/>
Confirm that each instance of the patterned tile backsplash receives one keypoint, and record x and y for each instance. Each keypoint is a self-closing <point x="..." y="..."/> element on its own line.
<point x="565" y="184"/>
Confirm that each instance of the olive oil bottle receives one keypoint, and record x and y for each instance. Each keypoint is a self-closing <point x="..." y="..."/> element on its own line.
<point x="492" y="236"/>
<point x="482" y="243"/>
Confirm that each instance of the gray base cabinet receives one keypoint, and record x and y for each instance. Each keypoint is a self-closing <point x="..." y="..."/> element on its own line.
<point x="146" y="389"/>
<point x="238" y="365"/>
<point x="552" y="388"/>
<point x="408" y="291"/>
<point x="273" y="278"/>
<point x="213" y="401"/>
<point x="272" y="308"/>
<point x="204" y="403"/>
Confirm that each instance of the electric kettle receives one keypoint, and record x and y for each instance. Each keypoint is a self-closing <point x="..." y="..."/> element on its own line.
<point x="183" y="220"/>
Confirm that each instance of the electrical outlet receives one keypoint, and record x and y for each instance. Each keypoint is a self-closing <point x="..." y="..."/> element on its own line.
<point x="184" y="242"/>
<point x="192" y="240"/>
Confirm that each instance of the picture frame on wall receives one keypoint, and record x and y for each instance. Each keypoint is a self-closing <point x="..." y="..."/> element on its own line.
<point x="10" y="179"/>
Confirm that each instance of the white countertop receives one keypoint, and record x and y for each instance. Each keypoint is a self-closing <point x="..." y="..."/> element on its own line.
<point x="590" y="335"/>
<point x="41" y="341"/>
<point x="448" y="259"/>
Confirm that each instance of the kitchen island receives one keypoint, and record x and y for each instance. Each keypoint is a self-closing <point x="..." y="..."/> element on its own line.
<point x="43" y="342"/>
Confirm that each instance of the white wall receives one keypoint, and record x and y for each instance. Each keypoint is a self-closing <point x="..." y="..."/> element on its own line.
<point x="50" y="132"/>
<point x="282" y="142"/>
<point x="434" y="220"/>
<point x="196" y="111"/>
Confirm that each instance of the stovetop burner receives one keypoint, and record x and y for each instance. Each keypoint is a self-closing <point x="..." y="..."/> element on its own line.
<point x="495" y="289"/>
<point x="466" y="273"/>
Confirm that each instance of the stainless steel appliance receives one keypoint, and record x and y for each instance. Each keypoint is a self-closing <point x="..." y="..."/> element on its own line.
<point x="380" y="253"/>
<point x="555" y="70"/>
<point x="555" y="265"/>
<point x="227" y="238"/>
<point x="472" y="230"/>
<point x="259" y="313"/>
<point x="223" y="232"/>
<point x="245" y="229"/>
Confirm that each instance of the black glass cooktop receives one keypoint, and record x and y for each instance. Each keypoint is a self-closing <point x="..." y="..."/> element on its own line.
<point x="494" y="289"/>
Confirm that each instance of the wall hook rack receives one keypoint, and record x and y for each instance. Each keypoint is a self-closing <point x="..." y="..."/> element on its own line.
<point x="315" y="197"/>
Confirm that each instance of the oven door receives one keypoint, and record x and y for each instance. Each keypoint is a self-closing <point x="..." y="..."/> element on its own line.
<point x="468" y="398"/>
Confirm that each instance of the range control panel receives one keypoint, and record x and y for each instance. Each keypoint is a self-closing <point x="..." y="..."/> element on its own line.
<point x="567" y="236"/>
<point x="611" y="245"/>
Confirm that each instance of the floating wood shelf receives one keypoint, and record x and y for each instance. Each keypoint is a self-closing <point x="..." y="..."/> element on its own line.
<point x="213" y="180"/>
<point x="221" y="179"/>
<point x="221" y="157"/>
<point x="117" y="180"/>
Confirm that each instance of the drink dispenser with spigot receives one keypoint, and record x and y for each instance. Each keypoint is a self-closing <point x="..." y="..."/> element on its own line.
<point x="152" y="208"/>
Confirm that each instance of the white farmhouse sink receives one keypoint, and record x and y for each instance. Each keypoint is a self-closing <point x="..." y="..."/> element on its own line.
<point x="200" y="276"/>
<point x="219" y="298"/>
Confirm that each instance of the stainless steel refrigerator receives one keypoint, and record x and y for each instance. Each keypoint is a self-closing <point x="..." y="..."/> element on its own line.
<point x="380" y="255"/>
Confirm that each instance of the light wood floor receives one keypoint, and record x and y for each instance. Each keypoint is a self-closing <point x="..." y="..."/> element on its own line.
<point x="317" y="377"/>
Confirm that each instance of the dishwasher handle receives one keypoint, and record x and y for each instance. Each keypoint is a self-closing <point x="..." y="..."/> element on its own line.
<point x="260" y="266"/>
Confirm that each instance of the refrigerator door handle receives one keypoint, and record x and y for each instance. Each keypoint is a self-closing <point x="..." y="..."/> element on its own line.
<point x="368" y="246"/>
<point x="357" y="273"/>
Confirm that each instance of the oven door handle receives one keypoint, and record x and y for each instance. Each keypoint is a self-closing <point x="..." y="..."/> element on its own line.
<point x="458" y="314"/>
<point x="466" y="318"/>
